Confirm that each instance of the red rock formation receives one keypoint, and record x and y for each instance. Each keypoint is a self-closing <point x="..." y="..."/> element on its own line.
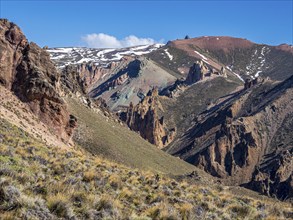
<point x="27" y="70"/>
<point x="12" y="43"/>
<point x="144" y="119"/>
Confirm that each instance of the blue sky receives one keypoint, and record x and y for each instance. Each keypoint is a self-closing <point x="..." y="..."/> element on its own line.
<point x="97" y="23"/>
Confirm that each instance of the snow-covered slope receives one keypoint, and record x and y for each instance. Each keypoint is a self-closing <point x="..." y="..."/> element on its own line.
<point x="64" y="56"/>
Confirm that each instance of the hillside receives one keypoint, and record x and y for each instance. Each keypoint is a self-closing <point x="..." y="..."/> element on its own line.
<point x="45" y="182"/>
<point x="245" y="140"/>
<point x="178" y="135"/>
<point x="100" y="134"/>
<point x="36" y="98"/>
<point x="240" y="56"/>
<point x="194" y="77"/>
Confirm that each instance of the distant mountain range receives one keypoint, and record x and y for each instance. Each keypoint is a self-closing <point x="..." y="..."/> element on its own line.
<point x="99" y="57"/>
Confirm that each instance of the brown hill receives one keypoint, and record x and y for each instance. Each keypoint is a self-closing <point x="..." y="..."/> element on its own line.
<point x="240" y="56"/>
<point x="213" y="43"/>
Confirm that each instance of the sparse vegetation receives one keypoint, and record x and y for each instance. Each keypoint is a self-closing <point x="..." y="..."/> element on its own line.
<point x="45" y="182"/>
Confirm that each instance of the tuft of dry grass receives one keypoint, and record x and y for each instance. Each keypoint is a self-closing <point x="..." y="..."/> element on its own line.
<point x="89" y="175"/>
<point x="41" y="182"/>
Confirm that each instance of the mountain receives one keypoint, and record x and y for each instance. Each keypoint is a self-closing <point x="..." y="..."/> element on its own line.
<point x="168" y="94"/>
<point x="242" y="57"/>
<point x="100" y="57"/>
<point x="67" y="153"/>
<point x="245" y="139"/>
<point x="119" y="76"/>
<point x="35" y="95"/>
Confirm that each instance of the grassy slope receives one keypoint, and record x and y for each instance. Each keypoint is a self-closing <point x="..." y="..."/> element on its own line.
<point x="42" y="182"/>
<point x="102" y="136"/>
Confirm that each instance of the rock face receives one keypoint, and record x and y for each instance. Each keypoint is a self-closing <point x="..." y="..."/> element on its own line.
<point x="12" y="44"/>
<point x="85" y="76"/>
<point x="130" y="71"/>
<point x="250" y="82"/>
<point x="199" y="71"/>
<point x="274" y="176"/>
<point x="144" y="119"/>
<point x="246" y="140"/>
<point x="26" y="69"/>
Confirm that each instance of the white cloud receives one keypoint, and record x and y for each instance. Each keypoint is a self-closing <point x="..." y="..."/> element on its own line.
<point x="102" y="40"/>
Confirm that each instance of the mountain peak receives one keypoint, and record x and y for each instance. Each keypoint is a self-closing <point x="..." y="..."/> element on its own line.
<point x="215" y="42"/>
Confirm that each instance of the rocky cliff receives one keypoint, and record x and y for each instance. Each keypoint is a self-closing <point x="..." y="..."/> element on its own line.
<point x="144" y="119"/>
<point x="85" y="77"/>
<point x="27" y="70"/>
<point x="246" y="139"/>
<point x="200" y="71"/>
<point x="197" y="72"/>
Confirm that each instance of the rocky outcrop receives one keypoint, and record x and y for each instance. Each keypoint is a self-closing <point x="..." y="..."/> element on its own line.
<point x="274" y="176"/>
<point x="246" y="140"/>
<point x="144" y="119"/>
<point x="250" y="82"/>
<point x="12" y="43"/>
<point x="72" y="80"/>
<point x="27" y="70"/>
<point x="197" y="72"/>
<point x="200" y="71"/>
<point x="84" y="77"/>
<point x="123" y="75"/>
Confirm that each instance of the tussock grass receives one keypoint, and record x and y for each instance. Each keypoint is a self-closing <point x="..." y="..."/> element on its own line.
<point x="44" y="182"/>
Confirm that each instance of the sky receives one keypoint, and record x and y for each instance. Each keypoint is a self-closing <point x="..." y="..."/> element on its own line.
<point x="128" y="23"/>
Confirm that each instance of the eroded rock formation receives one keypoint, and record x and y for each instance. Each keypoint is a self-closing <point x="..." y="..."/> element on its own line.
<point x="13" y="42"/>
<point x="83" y="77"/>
<point x="27" y="70"/>
<point x="197" y="72"/>
<point x="144" y="119"/>
<point x="122" y="76"/>
<point x="250" y="82"/>
<point x="246" y="140"/>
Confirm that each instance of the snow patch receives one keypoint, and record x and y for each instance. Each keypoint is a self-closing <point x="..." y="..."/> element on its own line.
<point x="257" y="74"/>
<point x="206" y="62"/>
<point x="198" y="53"/>
<point x="262" y="51"/>
<point x="239" y="77"/>
<point x="101" y="57"/>
<point x="168" y="54"/>
<point x="84" y="60"/>
<point x="57" y="57"/>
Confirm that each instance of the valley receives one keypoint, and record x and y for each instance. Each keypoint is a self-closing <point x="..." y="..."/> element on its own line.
<point x="197" y="128"/>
